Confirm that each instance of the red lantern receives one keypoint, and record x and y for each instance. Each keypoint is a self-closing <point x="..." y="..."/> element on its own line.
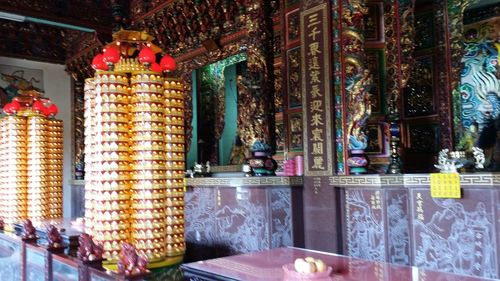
<point x="111" y="55"/>
<point x="156" y="67"/>
<point x="52" y="110"/>
<point x="12" y="107"/>
<point x="15" y="105"/>
<point x="7" y="108"/>
<point x="98" y="62"/>
<point x="146" y="55"/>
<point x="38" y="107"/>
<point x="167" y="63"/>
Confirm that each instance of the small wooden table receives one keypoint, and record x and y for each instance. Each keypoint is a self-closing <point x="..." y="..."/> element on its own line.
<point x="267" y="266"/>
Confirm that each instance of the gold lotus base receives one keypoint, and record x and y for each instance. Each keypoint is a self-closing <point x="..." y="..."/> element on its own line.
<point x="168" y="261"/>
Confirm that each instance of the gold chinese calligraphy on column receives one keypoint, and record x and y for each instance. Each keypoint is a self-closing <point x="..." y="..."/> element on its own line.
<point x="316" y="95"/>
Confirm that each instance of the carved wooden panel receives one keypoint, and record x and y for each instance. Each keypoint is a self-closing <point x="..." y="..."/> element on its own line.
<point x="295" y="128"/>
<point x="293" y="78"/>
<point x="278" y="88"/>
<point x="373" y="22"/>
<point x="375" y="62"/>
<point x="292" y="20"/>
<point x="424" y="30"/>
<point x="280" y="134"/>
<point x="419" y="94"/>
<point x="424" y="138"/>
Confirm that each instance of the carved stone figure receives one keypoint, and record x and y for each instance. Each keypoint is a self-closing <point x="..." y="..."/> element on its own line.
<point x="29" y="231"/>
<point x="87" y="249"/>
<point x="130" y="262"/>
<point x="54" y="238"/>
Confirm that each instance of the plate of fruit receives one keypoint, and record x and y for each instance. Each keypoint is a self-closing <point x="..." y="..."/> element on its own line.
<point x="307" y="269"/>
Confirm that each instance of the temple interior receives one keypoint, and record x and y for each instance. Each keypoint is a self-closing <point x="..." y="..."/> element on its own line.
<point x="250" y="140"/>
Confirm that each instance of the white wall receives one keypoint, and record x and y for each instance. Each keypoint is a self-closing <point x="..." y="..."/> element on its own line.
<point x="57" y="86"/>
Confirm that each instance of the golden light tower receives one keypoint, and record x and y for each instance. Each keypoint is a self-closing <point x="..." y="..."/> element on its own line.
<point x="31" y="153"/>
<point x="135" y="133"/>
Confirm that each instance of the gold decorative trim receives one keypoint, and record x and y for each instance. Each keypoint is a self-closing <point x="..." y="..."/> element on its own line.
<point x="411" y="180"/>
<point x="250" y="181"/>
<point x="368" y="180"/>
<point x="253" y="181"/>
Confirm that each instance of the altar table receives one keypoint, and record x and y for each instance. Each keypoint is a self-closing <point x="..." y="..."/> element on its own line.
<point x="267" y="266"/>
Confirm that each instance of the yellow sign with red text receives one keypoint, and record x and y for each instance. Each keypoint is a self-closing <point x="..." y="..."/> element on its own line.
<point x="445" y="185"/>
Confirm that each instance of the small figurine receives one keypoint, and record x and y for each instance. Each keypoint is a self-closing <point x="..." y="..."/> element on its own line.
<point x="451" y="161"/>
<point x="54" y="238"/>
<point x="479" y="157"/>
<point x="446" y="163"/>
<point x="29" y="231"/>
<point x="88" y="251"/>
<point x="200" y="170"/>
<point x="207" y="167"/>
<point x="130" y="263"/>
<point x="189" y="173"/>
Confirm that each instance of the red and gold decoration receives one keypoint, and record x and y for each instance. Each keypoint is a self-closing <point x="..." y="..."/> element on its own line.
<point x="13" y="169"/>
<point x="31" y="152"/>
<point x="108" y="185"/>
<point x="89" y="125"/>
<point x="175" y="155"/>
<point x="148" y="170"/>
<point x="55" y="166"/>
<point x="134" y="129"/>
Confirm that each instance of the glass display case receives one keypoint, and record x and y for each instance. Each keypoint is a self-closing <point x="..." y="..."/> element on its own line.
<point x="35" y="263"/>
<point x="20" y="260"/>
<point x="10" y="258"/>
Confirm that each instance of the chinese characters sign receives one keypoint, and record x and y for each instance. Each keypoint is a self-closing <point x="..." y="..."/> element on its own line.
<point x="316" y="96"/>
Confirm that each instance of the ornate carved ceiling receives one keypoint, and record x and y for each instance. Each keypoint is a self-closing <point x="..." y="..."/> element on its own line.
<point x="179" y="26"/>
<point x="29" y="40"/>
<point x="46" y="42"/>
<point x="95" y="14"/>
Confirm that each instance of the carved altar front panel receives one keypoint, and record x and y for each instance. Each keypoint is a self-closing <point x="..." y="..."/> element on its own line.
<point x="453" y="235"/>
<point x="364" y="224"/>
<point x="224" y="221"/>
<point x="375" y="224"/>
<point x="398" y="226"/>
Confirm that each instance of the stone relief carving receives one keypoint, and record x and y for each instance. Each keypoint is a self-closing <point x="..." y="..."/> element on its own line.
<point x="365" y="230"/>
<point x="399" y="237"/>
<point x="457" y="238"/>
<point x="281" y="208"/>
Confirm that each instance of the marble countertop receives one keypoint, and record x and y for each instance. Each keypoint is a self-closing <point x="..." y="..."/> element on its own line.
<point x="267" y="265"/>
